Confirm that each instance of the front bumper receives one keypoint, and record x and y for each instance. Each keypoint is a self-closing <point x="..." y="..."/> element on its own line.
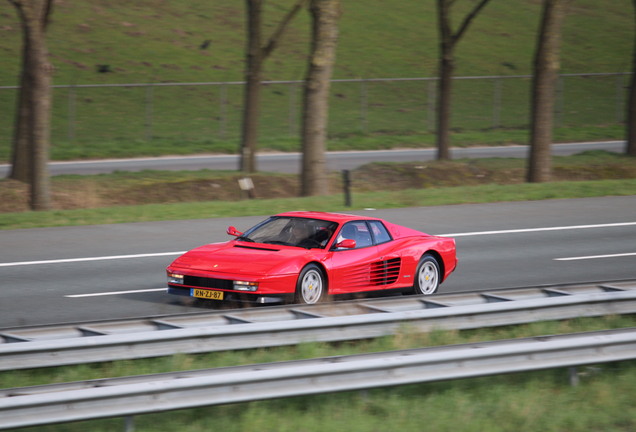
<point x="236" y="296"/>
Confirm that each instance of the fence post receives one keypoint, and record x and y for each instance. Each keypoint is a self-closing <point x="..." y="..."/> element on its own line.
<point x="496" y="109"/>
<point x="72" y="99"/>
<point x="432" y="87"/>
<point x="149" y="112"/>
<point x="346" y="184"/>
<point x="364" y="106"/>
<point x="222" y="109"/>
<point x="292" y="109"/>
<point x="560" y="102"/>
<point x="621" y="86"/>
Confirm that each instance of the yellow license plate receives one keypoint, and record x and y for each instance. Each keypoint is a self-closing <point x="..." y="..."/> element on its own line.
<point x="207" y="294"/>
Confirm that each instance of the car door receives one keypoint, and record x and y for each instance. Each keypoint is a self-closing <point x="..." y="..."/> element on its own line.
<point x="351" y="268"/>
<point x="390" y="267"/>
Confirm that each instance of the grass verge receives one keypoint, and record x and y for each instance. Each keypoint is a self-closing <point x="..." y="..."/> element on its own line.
<point x="536" y="401"/>
<point x="335" y="203"/>
<point x="120" y="148"/>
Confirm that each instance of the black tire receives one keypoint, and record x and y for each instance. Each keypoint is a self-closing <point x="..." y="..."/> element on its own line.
<point x="427" y="276"/>
<point x="311" y="286"/>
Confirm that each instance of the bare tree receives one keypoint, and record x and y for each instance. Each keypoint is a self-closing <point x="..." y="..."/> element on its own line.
<point x="33" y="119"/>
<point x="324" y="39"/>
<point x="631" y="103"/>
<point x="448" y="42"/>
<point x="256" y="55"/>
<point x="546" y="70"/>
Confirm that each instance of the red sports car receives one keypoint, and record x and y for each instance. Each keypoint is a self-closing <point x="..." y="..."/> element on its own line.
<point x="306" y="256"/>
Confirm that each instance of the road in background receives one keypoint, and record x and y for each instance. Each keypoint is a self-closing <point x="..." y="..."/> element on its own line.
<point x="290" y="162"/>
<point x="65" y="274"/>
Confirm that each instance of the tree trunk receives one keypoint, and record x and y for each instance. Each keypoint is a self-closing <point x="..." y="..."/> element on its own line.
<point x="631" y="103"/>
<point x="20" y="157"/>
<point x="252" y="96"/>
<point x="444" y="109"/>
<point x="256" y="56"/>
<point x="546" y="70"/>
<point x="448" y="41"/>
<point x="33" y="122"/>
<point x="40" y="103"/>
<point x="446" y="67"/>
<point x="325" y="14"/>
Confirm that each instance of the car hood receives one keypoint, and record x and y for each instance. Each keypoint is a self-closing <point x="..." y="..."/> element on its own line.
<point x="241" y="258"/>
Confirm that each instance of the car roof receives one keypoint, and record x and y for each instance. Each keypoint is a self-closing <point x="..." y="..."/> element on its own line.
<point x="333" y="217"/>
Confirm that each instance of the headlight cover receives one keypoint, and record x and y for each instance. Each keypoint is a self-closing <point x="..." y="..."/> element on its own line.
<point x="175" y="278"/>
<point x="245" y="286"/>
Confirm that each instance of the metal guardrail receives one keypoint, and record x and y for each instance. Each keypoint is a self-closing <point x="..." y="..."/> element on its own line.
<point x="265" y="327"/>
<point x="67" y="402"/>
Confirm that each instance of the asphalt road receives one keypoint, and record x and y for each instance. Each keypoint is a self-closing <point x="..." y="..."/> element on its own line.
<point x="290" y="162"/>
<point x="54" y="275"/>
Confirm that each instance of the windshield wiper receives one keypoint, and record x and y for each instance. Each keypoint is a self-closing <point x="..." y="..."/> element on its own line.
<point x="246" y="239"/>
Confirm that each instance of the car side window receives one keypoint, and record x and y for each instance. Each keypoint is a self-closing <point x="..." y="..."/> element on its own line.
<point x="358" y="231"/>
<point x="380" y="232"/>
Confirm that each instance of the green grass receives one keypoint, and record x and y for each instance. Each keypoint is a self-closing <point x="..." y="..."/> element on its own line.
<point x="151" y="43"/>
<point x="536" y="401"/>
<point x="169" y="195"/>
<point x="379" y="199"/>
<point x="125" y="148"/>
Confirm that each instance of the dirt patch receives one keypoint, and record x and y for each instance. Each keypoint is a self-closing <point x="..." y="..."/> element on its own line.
<point x="213" y="189"/>
<point x="13" y="196"/>
<point x="73" y="192"/>
<point x="435" y="174"/>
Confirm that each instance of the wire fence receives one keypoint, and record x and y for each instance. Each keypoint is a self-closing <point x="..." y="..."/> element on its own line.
<point x="211" y="111"/>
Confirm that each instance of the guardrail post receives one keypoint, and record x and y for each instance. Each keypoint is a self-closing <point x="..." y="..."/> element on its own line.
<point x="129" y="424"/>
<point x="574" y="376"/>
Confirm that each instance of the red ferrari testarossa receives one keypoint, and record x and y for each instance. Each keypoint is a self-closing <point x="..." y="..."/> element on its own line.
<point x="306" y="256"/>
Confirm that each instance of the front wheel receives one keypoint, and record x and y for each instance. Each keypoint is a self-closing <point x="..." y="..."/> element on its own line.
<point x="427" y="276"/>
<point x="311" y="286"/>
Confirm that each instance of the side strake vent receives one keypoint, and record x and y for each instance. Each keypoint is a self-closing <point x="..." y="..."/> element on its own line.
<point x="385" y="272"/>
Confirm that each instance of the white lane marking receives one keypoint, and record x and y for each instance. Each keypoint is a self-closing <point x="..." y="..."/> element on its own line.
<point x="596" y="257"/>
<point x="466" y="234"/>
<point x="102" y="258"/>
<point x="526" y="230"/>
<point x="114" y="293"/>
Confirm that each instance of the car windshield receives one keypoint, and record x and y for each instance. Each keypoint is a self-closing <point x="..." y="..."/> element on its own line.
<point x="292" y="231"/>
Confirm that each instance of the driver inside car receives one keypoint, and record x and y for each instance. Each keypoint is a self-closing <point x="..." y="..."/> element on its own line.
<point x="298" y="233"/>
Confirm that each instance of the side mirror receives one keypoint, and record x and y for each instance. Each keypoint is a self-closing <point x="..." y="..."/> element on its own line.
<point x="347" y="244"/>
<point x="234" y="232"/>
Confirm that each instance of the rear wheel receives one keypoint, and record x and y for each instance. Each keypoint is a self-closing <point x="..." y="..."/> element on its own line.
<point x="311" y="286"/>
<point x="427" y="276"/>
